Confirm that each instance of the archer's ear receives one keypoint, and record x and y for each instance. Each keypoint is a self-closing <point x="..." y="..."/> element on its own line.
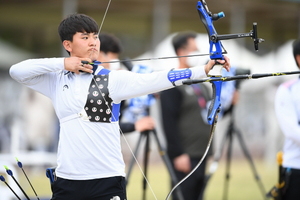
<point x="67" y="45"/>
<point x="297" y="58"/>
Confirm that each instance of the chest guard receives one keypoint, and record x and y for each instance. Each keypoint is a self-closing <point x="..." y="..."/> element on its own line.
<point x="99" y="106"/>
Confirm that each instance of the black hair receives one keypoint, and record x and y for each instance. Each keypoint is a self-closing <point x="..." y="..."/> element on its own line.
<point x="181" y="39"/>
<point x="109" y="43"/>
<point x="296" y="50"/>
<point x="76" y="23"/>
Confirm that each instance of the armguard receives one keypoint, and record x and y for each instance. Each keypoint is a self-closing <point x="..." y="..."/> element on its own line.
<point x="176" y="75"/>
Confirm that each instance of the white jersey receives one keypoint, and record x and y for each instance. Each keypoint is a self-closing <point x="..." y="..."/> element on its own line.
<point x="87" y="150"/>
<point x="287" y="107"/>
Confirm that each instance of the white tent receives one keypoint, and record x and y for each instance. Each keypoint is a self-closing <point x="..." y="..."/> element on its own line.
<point x="10" y="55"/>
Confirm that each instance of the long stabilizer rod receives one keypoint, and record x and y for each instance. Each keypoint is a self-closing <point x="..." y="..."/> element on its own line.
<point x="238" y="77"/>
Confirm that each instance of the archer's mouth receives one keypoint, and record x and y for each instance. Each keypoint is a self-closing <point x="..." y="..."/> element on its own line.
<point x="93" y="50"/>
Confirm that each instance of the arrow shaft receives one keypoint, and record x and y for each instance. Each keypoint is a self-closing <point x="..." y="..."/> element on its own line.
<point x="275" y="74"/>
<point x="157" y="58"/>
<point x="20" y="188"/>
<point x="239" y="77"/>
<point x="12" y="190"/>
<point x="30" y="184"/>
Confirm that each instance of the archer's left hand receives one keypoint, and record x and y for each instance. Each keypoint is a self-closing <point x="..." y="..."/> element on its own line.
<point x="211" y="63"/>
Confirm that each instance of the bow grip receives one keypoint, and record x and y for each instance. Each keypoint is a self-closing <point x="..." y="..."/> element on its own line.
<point x="215" y="105"/>
<point x="216" y="70"/>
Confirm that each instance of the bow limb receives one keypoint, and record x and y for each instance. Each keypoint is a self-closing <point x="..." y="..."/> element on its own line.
<point x="215" y="52"/>
<point x="215" y="75"/>
<point x="215" y="105"/>
<point x="203" y="157"/>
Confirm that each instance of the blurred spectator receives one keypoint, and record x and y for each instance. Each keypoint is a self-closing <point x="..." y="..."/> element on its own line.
<point x="136" y="119"/>
<point x="41" y="129"/>
<point x="184" y="112"/>
<point x="287" y="107"/>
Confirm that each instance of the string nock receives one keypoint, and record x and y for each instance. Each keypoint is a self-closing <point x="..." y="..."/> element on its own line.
<point x="92" y="63"/>
<point x="85" y="62"/>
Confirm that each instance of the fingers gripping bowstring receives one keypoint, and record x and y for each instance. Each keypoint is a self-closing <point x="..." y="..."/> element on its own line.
<point x="107" y="104"/>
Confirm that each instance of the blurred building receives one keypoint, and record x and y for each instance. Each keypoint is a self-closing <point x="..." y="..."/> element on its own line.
<point x="27" y="119"/>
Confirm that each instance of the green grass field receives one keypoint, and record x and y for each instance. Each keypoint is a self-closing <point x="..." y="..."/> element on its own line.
<point x="241" y="186"/>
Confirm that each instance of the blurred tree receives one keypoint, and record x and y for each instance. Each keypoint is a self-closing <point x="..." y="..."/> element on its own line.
<point x="32" y="24"/>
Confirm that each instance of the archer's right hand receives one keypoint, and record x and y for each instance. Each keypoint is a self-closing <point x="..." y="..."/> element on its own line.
<point x="74" y="64"/>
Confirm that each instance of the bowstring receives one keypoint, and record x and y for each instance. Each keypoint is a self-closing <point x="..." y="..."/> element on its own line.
<point x="126" y="141"/>
<point x="157" y="58"/>
<point x="200" y="162"/>
<point x="106" y="102"/>
<point x="102" y="22"/>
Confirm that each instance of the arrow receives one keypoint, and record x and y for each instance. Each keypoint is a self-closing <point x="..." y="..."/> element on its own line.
<point x="3" y="180"/>
<point x="9" y="172"/>
<point x="238" y="77"/>
<point x="21" y="166"/>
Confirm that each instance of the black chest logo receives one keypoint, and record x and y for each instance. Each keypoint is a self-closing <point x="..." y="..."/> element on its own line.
<point x="99" y="105"/>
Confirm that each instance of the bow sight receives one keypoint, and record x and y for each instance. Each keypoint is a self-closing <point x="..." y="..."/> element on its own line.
<point x="252" y="34"/>
<point x="216" y="52"/>
<point x="207" y="18"/>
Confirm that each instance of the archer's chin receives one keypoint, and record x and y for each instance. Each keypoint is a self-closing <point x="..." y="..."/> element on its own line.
<point x="94" y="55"/>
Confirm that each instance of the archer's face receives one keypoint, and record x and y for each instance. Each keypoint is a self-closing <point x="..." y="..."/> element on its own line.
<point x="84" y="45"/>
